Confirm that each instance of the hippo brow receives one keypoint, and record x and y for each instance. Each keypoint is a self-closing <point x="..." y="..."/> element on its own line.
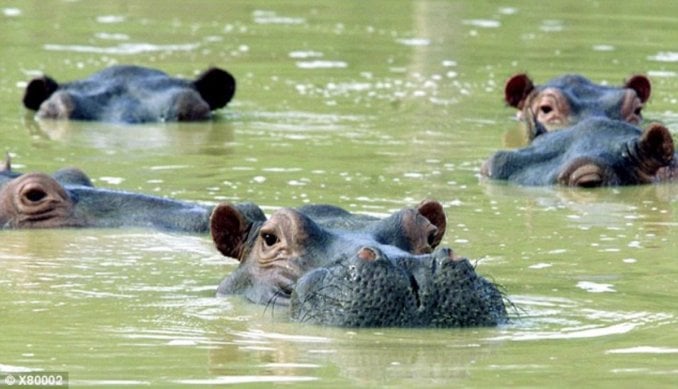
<point x="251" y="236"/>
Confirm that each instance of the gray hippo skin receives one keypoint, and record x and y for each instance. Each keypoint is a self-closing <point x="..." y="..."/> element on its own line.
<point x="594" y="152"/>
<point x="566" y="100"/>
<point x="68" y="199"/>
<point x="335" y="268"/>
<point x="131" y="94"/>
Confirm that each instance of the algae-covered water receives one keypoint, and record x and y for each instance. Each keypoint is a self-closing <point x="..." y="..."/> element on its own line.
<point x="369" y="105"/>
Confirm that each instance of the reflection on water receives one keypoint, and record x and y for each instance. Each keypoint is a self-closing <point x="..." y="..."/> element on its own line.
<point x="557" y="318"/>
<point x="110" y="137"/>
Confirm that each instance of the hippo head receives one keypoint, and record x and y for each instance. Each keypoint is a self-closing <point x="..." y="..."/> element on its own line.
<point x="36" y="200"/>
<point x="131" y="94"/>
<point x="289" y="258"/>
<point x="68" y="198"/>
<point x="594" y="152"/>
<point x="566" y="100"/>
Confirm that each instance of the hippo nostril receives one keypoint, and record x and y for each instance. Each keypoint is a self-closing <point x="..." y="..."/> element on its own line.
<point x="446" y="253"/>
<point x="367" y="254"/>
<point x="35" y="195"/>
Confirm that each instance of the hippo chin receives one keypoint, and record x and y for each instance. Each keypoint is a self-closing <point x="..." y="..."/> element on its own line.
<point x="131" y="94"/>
<point x="594" y="152"/>
<point x="565" y="101"/>
<point x="335" y="268"/>
<point x="68" y="199"/>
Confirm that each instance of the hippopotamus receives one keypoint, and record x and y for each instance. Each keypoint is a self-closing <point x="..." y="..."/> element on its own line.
<point x="68" y="198"/>
<point x="594" y="152"/>
<point x="333" y="267"/>
<point x="566" y="100"/>
<point x="131" y="94"/>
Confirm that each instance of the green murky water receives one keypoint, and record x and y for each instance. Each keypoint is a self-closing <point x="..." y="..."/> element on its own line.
<point x="368" y="105"/>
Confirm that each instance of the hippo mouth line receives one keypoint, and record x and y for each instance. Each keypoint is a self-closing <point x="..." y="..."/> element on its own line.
<point x="415" y="289"/>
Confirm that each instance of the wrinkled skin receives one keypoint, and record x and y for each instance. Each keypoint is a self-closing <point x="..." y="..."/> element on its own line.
<point x="68" y="199"/>
<point x="567" y="100"/>
<point x="373" y="290"/>
<point x="594" y="152"/>
<point x="336" y="268"/>
<point x="131" y="94"/>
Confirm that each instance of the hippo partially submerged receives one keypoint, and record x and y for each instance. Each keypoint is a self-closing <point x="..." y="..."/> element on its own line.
<point x="131" y="94"/>
<point x="594" y="152"/>
<point x="337" y="268"/>
<point x="68" y="199"/>
<point x="564" y="101"/>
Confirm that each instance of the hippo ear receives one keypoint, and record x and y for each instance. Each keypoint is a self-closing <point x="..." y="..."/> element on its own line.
<point x="655" y="147"/>
<point x="8" y="163"/>
<point x="434" y="212"/>
<point x="517" y="89"/>
<point x="641" y="85"/>
<point x="216" y="86"/>
<point x="229" y="228"/>
<point x="39" y="90"/>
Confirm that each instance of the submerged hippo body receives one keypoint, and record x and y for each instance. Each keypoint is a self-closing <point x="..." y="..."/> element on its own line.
<point x="594" y="152"/>
<point x="566" y="100"/>
<point x="336" y="268"/>
<point x="131" y="94"/>
<point x="68" y="199"/>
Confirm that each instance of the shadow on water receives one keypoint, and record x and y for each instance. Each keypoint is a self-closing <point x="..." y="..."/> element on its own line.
<point x="585" y="208"/>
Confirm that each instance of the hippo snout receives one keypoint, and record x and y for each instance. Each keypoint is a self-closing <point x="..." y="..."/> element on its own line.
<point x="372" y="290"/>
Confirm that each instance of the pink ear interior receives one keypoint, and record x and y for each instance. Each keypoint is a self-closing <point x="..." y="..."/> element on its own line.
<point x="517" y="89"/>
<point x="228" y="228"/>
<point x="641" y="85"/>
<point x="434" y="212"/>
<point x="657" y="142"/>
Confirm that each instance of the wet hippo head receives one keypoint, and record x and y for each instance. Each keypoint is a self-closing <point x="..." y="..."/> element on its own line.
<point x="566" y="100"/>
<point x="594" y="152"/>
<point x="131" y="94"/>
<point x="67" y="198"/>
<point x="290" y="257"/>
<point x="371" y="289"/>
<point x="36" y="200"/>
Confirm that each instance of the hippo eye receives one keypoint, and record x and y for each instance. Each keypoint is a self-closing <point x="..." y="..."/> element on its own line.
<point x="269" y="239"/>
<point x="35" y="195"/>
<point x="638" y="111"/>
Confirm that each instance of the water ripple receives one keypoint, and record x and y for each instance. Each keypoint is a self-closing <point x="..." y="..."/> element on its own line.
<point x="122" y="49"/>
<point x="224" y="380"/>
